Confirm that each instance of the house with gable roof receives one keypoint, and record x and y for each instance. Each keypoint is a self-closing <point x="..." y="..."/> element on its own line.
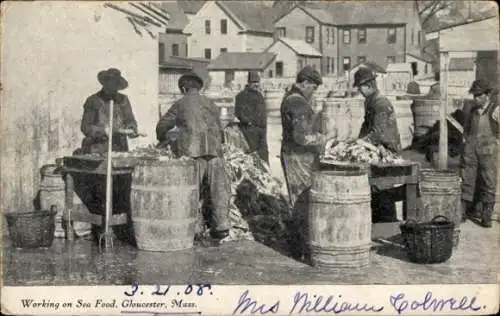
<point x="347" y="33"/>
<point x="230" y="26"/>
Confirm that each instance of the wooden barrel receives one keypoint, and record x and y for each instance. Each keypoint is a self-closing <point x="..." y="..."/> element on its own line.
<point x="340" y="219"/>
<point x="426" y="114"/>
<point x="440" y="194"/>
<point x="226" y="113"/>
<point x="164" y="204"/>
<point x="336" y="118"/>
<point x="273" y="100"/>
<point x="404" y="118"/>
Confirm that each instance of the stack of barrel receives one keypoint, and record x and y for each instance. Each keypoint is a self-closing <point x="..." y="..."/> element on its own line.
<point x="273" y="98"/>
<point x="342" y="117"/>
<point x="340" y="218"/>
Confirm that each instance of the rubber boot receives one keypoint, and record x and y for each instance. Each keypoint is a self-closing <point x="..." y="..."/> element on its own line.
<point x="486" y="214"/>
<point x="465" y="210"/>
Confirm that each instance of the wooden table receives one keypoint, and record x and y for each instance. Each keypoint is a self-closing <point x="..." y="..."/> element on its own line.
<point x="91" y="165"/>
<point x="387" y="176"/>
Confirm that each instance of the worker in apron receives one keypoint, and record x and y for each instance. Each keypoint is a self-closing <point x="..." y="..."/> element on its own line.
<point x="200" y="137"/>
<point x="479" y="158"/>
<point x="91" y="188"/>
<point x="250" y="109"/>
<point x="301" y="147"/>
<point x="379" y="128"/>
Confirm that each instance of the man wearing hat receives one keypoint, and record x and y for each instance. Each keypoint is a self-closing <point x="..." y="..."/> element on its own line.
<point x="250" y="109"/>
<point x="380" y="128"/>
<point x="200" y="137"/>
<point x="94" y="126"/>
<point x="300" y="149"/>
<point x="96" y="115"/>
<point x="479" y="158"/>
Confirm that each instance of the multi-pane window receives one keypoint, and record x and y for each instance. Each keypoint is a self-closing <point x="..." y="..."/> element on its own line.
<point x="175" y="49"/>
<point x="327" y="70"/>
<point x="208" y="53"/>
<point x="362" y="36"/>
<point x="223" y="26"/>
<point x="412" y="36"/>
<point x="332" y="35"/>
<point x="347" y="63"/>
<point x="347" y="36"/>
<point x="309" y="34"/>
<point x="361" y="59"/>
<point x="391" y="59"/>
<point x="207" y="27"/>
<point x="327" y="35"/>
<point x="279" y="69"/>
<point x="419" y="38"/>
<point x="161" y="52"/>
<point x="391" y="35"/>
<point x="223" y="50"/>
<point x="281" y="31"/>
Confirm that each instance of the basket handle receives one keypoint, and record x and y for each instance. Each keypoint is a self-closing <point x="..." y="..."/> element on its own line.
<point x="411" y="222"/>
<point x="440" y="217"/>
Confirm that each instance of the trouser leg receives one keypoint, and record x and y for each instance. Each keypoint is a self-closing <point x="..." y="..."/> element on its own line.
<point x="487" y="176"/>
<point x="468" y="173"/>
<point x="220" y="193"/>
<point x="301" y="219"/>
<point x="263" y="150"/>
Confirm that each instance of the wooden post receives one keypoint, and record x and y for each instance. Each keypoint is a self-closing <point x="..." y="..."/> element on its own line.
<point x="443" y="125"/>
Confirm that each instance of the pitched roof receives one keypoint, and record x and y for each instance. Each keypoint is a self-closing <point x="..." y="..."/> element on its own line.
<point x="141" y="13"/>
<point x="241" y="61"/>
<point x="399" y="67"/>
<point x="372" y="65"/>
<point x="461" y="63"/>
<point x="426" y="57"/>
<point x="359" y="12"/>
<point x="191" y="6"/>
<point x="178" y="19"/>
<point x="300" y="47"/>
<point x="250" y="15"/>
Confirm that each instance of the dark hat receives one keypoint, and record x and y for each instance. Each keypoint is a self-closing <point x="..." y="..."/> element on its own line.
<point x="187" y="76"/>
<point x="480" y="86"/>
<point x="363" y="75"/>
<point x="112" y="74"/>
<point x="310" y="74"/>
<point x="253" y="76"/>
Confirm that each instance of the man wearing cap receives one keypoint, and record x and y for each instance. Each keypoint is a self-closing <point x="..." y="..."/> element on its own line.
<point x="250" y="109"/>
<point x="300" y="149"/>
<point x="96" y="115"/>
<point x="200" y="137"/>
<point x="94" y="126"/>
<point x="380" y="128"/>
<point x="479" y="158"/>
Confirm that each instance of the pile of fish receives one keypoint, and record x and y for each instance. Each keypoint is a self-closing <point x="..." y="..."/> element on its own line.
<point x="359" y="151"/>
<point x="152" y="151"/>
<point x="258" y="209"/>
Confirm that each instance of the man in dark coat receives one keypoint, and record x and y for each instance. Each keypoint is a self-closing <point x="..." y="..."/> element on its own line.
<point x="96" y="115"/>
<point x="300" y="149"/>
<point x="200" y="137"/>
<point x="380" y="128"/>
<point x="94" y="125"/>
<point x="250" y="109"/>
<point x="479" y="158"/>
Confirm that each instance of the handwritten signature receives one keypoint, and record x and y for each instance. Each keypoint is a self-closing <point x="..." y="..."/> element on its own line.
<point x="400" y="304"/>
<point x="158" y="290"/>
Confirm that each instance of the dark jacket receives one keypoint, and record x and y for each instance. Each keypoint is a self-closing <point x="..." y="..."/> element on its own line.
<point x="250" y="107"/>
<point x="96" y="117"/>
<point x="474" y="116"/>
<point x="380" y="125"/>
<point x="200" y="130"/>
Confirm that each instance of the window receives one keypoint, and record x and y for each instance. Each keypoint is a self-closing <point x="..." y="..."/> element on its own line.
<point x="208" y="53"/>
<point x="270" y="73"/>
<point x="279" y="69"/>
<point x="361" y="36"/>
<point x="228" y="77"/>
<point x="161" y="52"/>
<point x="412" y="36"/>
<point x="175" y="49"/>
<point x="223" y="26"/>
<point x="347" y="63"/>
<point x="332" y="65"/>
<point x="347" y="36"/>
<point x="207" y="26"/>
<point x="391" y="35"/>
<point x="391" y="59"/>
<point x="327" y="35"/>
<point x="186" y="49"/>
<point x="361" y="59"/>
<point x="309" y="34"/>
<point x="414" y="68"/>
<point x="426" y="69"/>
<point x="419" y="38"/>
<point x="301" y="64"/>
<point x="332" y="34"/>
<point x="327" y="70"/>
<point x="223" y="50"/>
<point x="281" y="31"/>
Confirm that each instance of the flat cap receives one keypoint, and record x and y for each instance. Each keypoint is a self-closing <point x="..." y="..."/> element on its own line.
<point x="253" y="76"/>
<point x="189" y="76"/>
<point x="363" y="75"/>
<point x="310" y="74"/>
<point x="480" y="86"/>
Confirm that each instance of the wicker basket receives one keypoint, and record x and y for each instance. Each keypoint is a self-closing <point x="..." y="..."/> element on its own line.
<point x="430" y="242"/>
<point x="31" y="229"/>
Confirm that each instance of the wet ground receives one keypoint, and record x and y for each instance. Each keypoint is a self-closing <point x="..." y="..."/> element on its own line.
<point x="476" y="260"/>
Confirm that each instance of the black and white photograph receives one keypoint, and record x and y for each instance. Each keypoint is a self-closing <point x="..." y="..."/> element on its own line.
<point x="249" y="142"/>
